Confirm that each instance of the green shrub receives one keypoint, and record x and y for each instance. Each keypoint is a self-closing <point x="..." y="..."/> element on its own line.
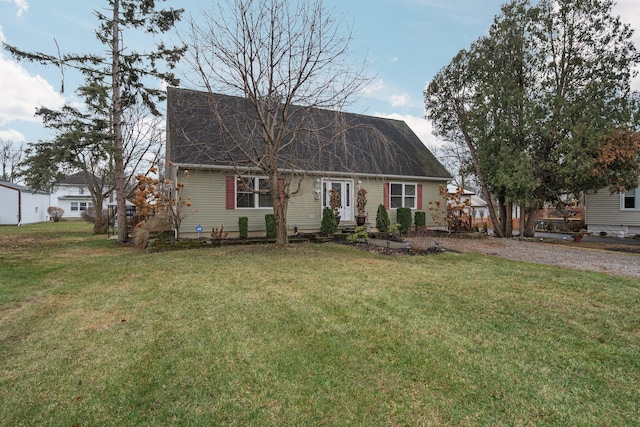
<point x="329" y="224"/>
<point x="382" y="219"/>
<point x="270" y="223"/>
<point x="404" y="219"/>
<point x="243" y="226"/>
<point x="420" y="219"/>
<point x="359" y="233"/>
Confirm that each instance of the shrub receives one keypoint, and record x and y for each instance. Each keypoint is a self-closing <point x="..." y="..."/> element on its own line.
<point x="420" y="219"/>
<point x="270" y="223"/>
<point x="100" y="225"/>
<point x="404" y="219"/>
<point x="153" y="226"/>
<point x="55" y="213"/>
<point x="243" y="226"/>
<point x="359" y="233"/>
<point x="89" y="215"/>
<point x="382" y="219"/>
<point x="329" y="224"/>
<point x="218" y="234"/>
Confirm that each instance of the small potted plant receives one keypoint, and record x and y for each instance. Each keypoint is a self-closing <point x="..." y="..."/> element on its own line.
<point x="334" y="202"/>
<point x="361" y="203"/>
<point x="577" y="236"/>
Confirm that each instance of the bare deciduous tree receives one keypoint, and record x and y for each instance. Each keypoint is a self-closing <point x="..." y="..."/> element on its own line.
<point x="287" y="59"/>
<point x="10" y="157"/>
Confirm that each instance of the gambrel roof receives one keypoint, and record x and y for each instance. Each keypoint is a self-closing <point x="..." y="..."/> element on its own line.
<point x="212" y="130"/>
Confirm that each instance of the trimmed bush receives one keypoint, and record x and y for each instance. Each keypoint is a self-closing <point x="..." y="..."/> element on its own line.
<point x="329" y="224"/>
<point x="420" y="218"/>
<point x="243" y="226"/>
<point x="55" y="213"/>
<point x="270" y="223"/>
<point x="382" y="219"/>
<point x="403" y="216"/>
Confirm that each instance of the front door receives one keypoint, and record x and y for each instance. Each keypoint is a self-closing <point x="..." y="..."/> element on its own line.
<point x="344" y="191"/>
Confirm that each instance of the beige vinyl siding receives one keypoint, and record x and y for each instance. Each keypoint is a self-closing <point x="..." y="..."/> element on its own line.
<point x="431" y="192"/>
<point x="207" y="190"/>
<point x="604" y="208"/>
<point x="208" y="194"/>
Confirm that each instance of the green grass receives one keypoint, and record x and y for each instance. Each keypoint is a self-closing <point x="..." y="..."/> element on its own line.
<point x="315" y="334"/>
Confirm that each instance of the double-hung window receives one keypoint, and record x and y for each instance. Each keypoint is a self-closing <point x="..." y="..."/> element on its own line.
<point x="80" y="206"/>
<point x="253" y="192"/>
<point x="631" y="199"/>
<point x="403" y="195"/>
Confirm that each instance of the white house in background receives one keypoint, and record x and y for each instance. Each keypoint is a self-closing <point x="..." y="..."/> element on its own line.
<point x="479" y="209"/>
<point x="615" y="214"/>
<point x="72" y="195"/>
<point x="21" y="205"/>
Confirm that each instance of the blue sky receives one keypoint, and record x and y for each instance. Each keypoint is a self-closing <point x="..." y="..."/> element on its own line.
<point x="407" y="43"/>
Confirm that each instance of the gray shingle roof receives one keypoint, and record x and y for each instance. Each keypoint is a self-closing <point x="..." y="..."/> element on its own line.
<point x="21" y="188"/>
<point x="329" y="141"/>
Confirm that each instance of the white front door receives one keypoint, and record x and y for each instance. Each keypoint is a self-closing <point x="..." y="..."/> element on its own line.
<point x="345" y="191"/>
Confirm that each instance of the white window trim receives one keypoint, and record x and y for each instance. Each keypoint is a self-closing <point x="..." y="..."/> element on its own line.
<point x="404" y="195"/>
<point x="256" y="195"/>
<point x="637" y="201"/>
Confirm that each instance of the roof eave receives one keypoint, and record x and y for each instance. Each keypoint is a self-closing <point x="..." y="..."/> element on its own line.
<point x="234" y="169"/>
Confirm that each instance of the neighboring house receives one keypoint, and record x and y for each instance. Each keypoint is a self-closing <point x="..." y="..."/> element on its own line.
<point x="20" y="205"/>
<point x="616" y="214"/>
<point x="479" y="210"/>
<point x="72" y="195"/>
<point x="397" y="170"/>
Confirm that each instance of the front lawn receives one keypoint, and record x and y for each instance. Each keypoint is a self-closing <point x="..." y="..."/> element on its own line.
<point x="314" y="334"/>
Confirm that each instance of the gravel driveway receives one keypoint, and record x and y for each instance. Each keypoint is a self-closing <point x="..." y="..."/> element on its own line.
<point x="592" y="257"/>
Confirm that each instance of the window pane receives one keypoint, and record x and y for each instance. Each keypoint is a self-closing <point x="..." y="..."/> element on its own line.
<point x="630" y="199"/>
<point x="410" y="190"/>
<point x="263" y="184"/>
<point x="396" y="202"/>
<point x="245" y="185"/>
<point x="244" y="192"/>
<point x="264" y="201"/>
<point x="245" y="200"/>
<point x="396" y="189"/>
<point x="410" y="202"/>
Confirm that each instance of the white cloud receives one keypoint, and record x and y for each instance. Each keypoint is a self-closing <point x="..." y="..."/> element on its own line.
<point x="22" y="92"/>
<point x="393" y="59"/>
<point x="402" y="100"/>
<point x="22" y="5"/>
<point x="12" y="135"/>
<point x="373" y="87"/>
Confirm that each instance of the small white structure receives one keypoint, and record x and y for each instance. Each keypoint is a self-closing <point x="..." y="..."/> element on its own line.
<point x="479" y="209"/>
<point x="21" y="205"/>
<point x="72" y="195"/>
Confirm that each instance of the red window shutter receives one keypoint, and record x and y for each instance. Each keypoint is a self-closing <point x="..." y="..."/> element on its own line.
<point x="385" y="195"/>
<point x="231" y="192"/>
<point x="419" y="197"/>
<point x="281" y="191"/>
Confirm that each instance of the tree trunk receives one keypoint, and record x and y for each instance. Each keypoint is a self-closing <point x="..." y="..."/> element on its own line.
<point x="280" y="202"/>
<point x="508" y="220"/>
<point x="523" y="219"/>
<point x="116" y="118"/>
<point x="530" y="229"/>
